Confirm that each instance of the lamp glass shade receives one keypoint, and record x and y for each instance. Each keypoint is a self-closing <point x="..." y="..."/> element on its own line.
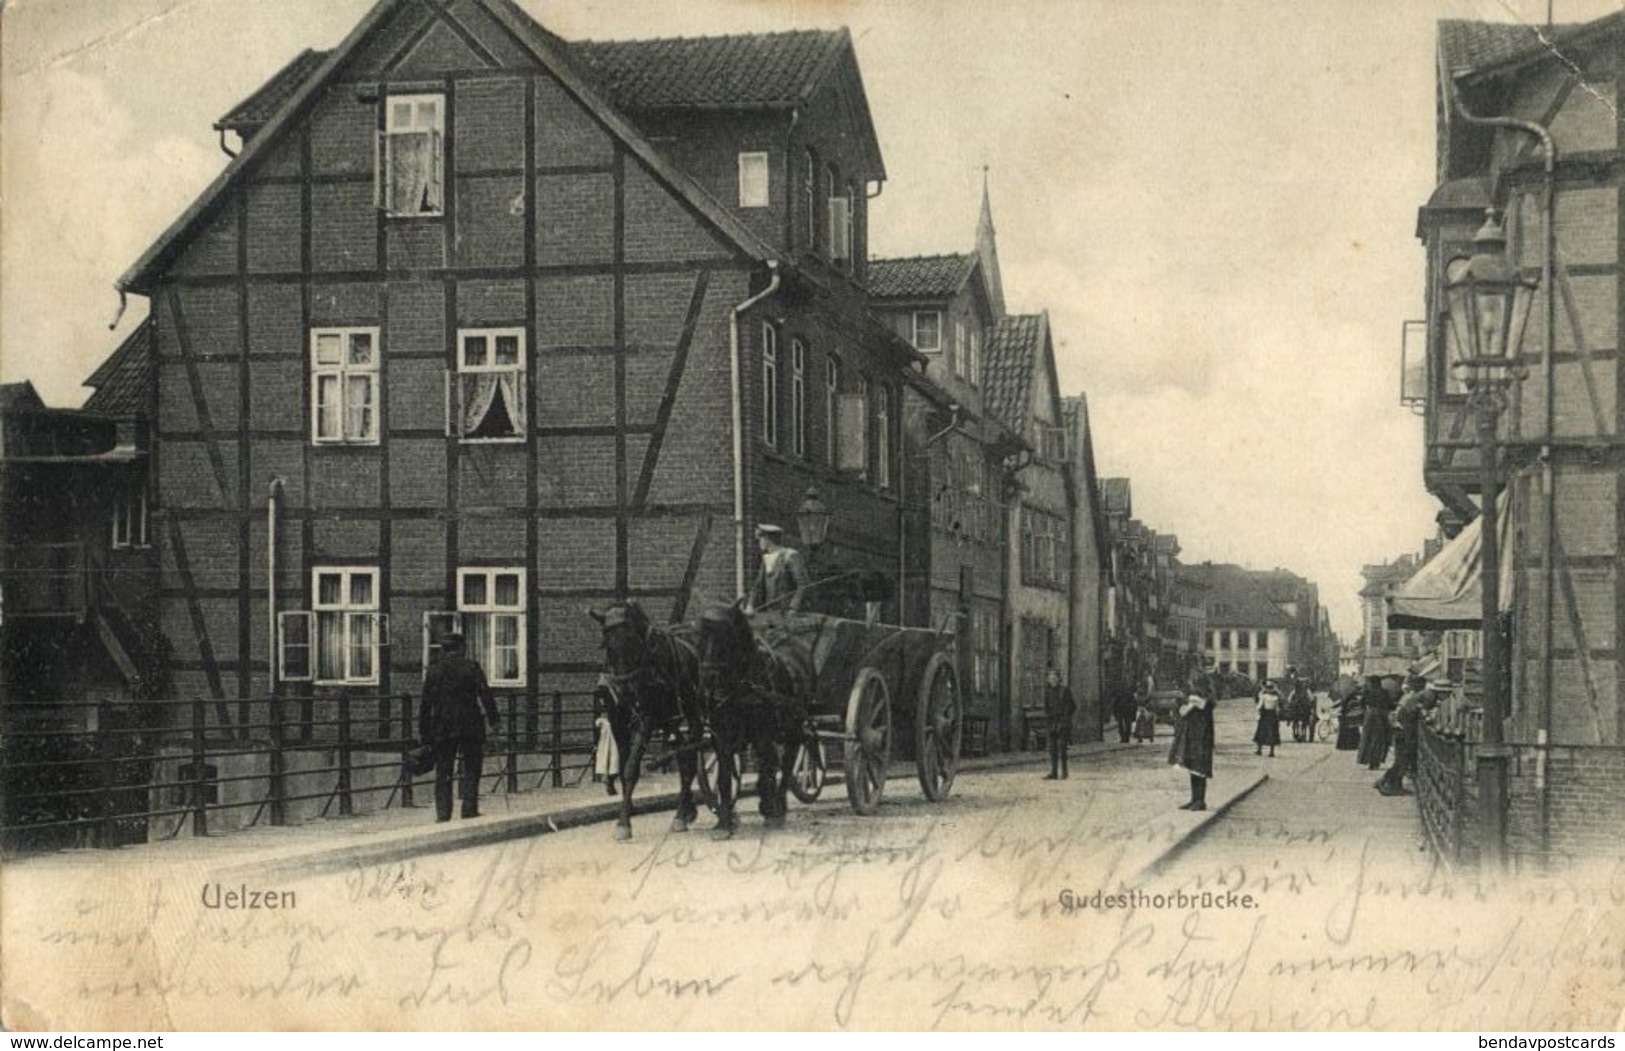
<point x="1489" y="303"/>
<point x="812" y="519"/>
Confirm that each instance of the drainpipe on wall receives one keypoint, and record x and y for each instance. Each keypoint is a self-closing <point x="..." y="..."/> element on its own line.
<point x="736" y="379"/>
<point x="273" y="511"/>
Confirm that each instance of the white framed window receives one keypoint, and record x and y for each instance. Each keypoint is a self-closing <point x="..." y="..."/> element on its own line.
<point x="753" y="180"/>
<point x="883" y="436"/>
<point x="928" y="331"/>
<point x="338" y="641"/>
<point x="130" y="516"/>
<point x="487" y="399"/>
<point x="491" y="605"/>
<point x="798" y="397"/>
<point x="344" y="386"/>
<point x="770" y="385"/>
<point x="959" y="348"/>
<point x="840" y="221"/>
<point x="832" y="408"/>
<point x="411" y="156"/>
<point x="854" y="424"/>
<point x="973" y="364"/>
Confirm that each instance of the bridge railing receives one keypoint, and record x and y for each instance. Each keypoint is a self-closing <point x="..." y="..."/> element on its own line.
<point x="101" y="774"/>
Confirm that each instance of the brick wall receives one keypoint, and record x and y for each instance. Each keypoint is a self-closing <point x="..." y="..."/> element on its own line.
<point x="602" y="350"/>
<point x="1565" y="803"/>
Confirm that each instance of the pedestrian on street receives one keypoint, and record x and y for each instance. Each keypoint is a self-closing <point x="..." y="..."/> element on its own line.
<point x="1192" y="750"/>
<point x="1145" y="723"/>
<point x="1375" y="732"/>
<point x="1268" y="732"/>
<point x="1407" y="740"/>
<point x="1059" y="707"/>
<point x="1123" y="710"/>
<point x="449" y="718"/>
<point x="606" y="757"/>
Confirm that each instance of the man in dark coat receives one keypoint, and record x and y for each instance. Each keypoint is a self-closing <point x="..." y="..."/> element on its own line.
<point x="1059" y="707"/>
<point x="1123" y="708"/>
<point x="449" y="719"/>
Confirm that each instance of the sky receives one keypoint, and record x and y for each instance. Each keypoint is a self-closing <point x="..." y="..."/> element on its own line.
<point x="1215" y="201"/>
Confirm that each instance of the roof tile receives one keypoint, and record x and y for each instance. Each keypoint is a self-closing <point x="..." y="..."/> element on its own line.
<point x="124" y="381"/>
<point x="1007" y="366"/>
<point x="258" y="108"/>
<point x="758" y="69"/>
<point x="919" y="277"/>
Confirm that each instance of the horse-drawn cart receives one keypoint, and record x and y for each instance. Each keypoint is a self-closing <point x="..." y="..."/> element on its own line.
<point x="871" y="687"/>
<point x="783" y="684"/>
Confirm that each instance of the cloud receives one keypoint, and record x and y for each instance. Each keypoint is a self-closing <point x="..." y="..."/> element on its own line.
<point x="86" y="190"/>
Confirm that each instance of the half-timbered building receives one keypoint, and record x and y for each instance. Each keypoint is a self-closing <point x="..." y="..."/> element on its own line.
<point x="1528" y="125"/>
<point x="946" y="306"/>
<point x="481" y="327"/>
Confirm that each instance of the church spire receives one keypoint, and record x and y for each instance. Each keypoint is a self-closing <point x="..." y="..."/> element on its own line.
<point x="987" y="250"/>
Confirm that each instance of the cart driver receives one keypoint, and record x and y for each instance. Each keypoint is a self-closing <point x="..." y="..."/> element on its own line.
<point x="782" y="576"/>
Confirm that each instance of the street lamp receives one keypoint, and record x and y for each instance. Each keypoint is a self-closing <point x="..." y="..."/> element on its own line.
<point x="1488" y="300"/>
<point x="812" y="519"/>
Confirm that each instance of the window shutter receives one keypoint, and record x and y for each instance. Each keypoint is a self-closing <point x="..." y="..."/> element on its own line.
<point x="295" y="631"/>
<point x="437" y="170"/>
<point x="454" y="409"/>
<point x="380" y="172"/>
<point x="436" y="626"/>
<point x="853" y="426"/>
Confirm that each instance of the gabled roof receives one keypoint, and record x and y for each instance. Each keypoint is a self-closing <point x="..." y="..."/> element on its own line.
<point x="19" y="397"/>
<point x="1075" y="410"/>
<point x="1014" y="347"/>
<point x="253" y="112"/>
<point x="920" y="276"/>
<point x="547" y="50"/>
<point x="1469" y="48"/>
<point x="719" y="72"/>
<point x="124" y="381"/>
<point x="1238" y="597"/>
<point x="747" y="71"/>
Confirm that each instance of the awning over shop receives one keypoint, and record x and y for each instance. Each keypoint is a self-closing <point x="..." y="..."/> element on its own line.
<point x="1445" y="593"/>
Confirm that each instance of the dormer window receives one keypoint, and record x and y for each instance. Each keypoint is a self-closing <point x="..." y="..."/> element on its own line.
<point x="928" y="331"/>
<point x="753" y="180"/>
<point x="411" y="156"/>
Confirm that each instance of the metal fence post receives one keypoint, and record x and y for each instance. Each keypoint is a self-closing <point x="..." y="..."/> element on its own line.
<point x="346" y="803"/>
<point x="105" y="764"/>
<point x="513" y="743"/>
<point x="279" y="763"/>
<point x="406" y="749"/>
<point x="200" y="770"/>
<point x="557" y="759"/>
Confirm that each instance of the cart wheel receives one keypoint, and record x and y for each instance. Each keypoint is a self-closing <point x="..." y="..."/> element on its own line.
<point x="938" y="728"/>
<point x="807" y="770"/>
<point x="868" y="741"/>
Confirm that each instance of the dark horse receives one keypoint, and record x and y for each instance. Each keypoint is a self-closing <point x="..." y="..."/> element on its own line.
<point x="650" y="689"/>
<point x="753" y="694"/>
